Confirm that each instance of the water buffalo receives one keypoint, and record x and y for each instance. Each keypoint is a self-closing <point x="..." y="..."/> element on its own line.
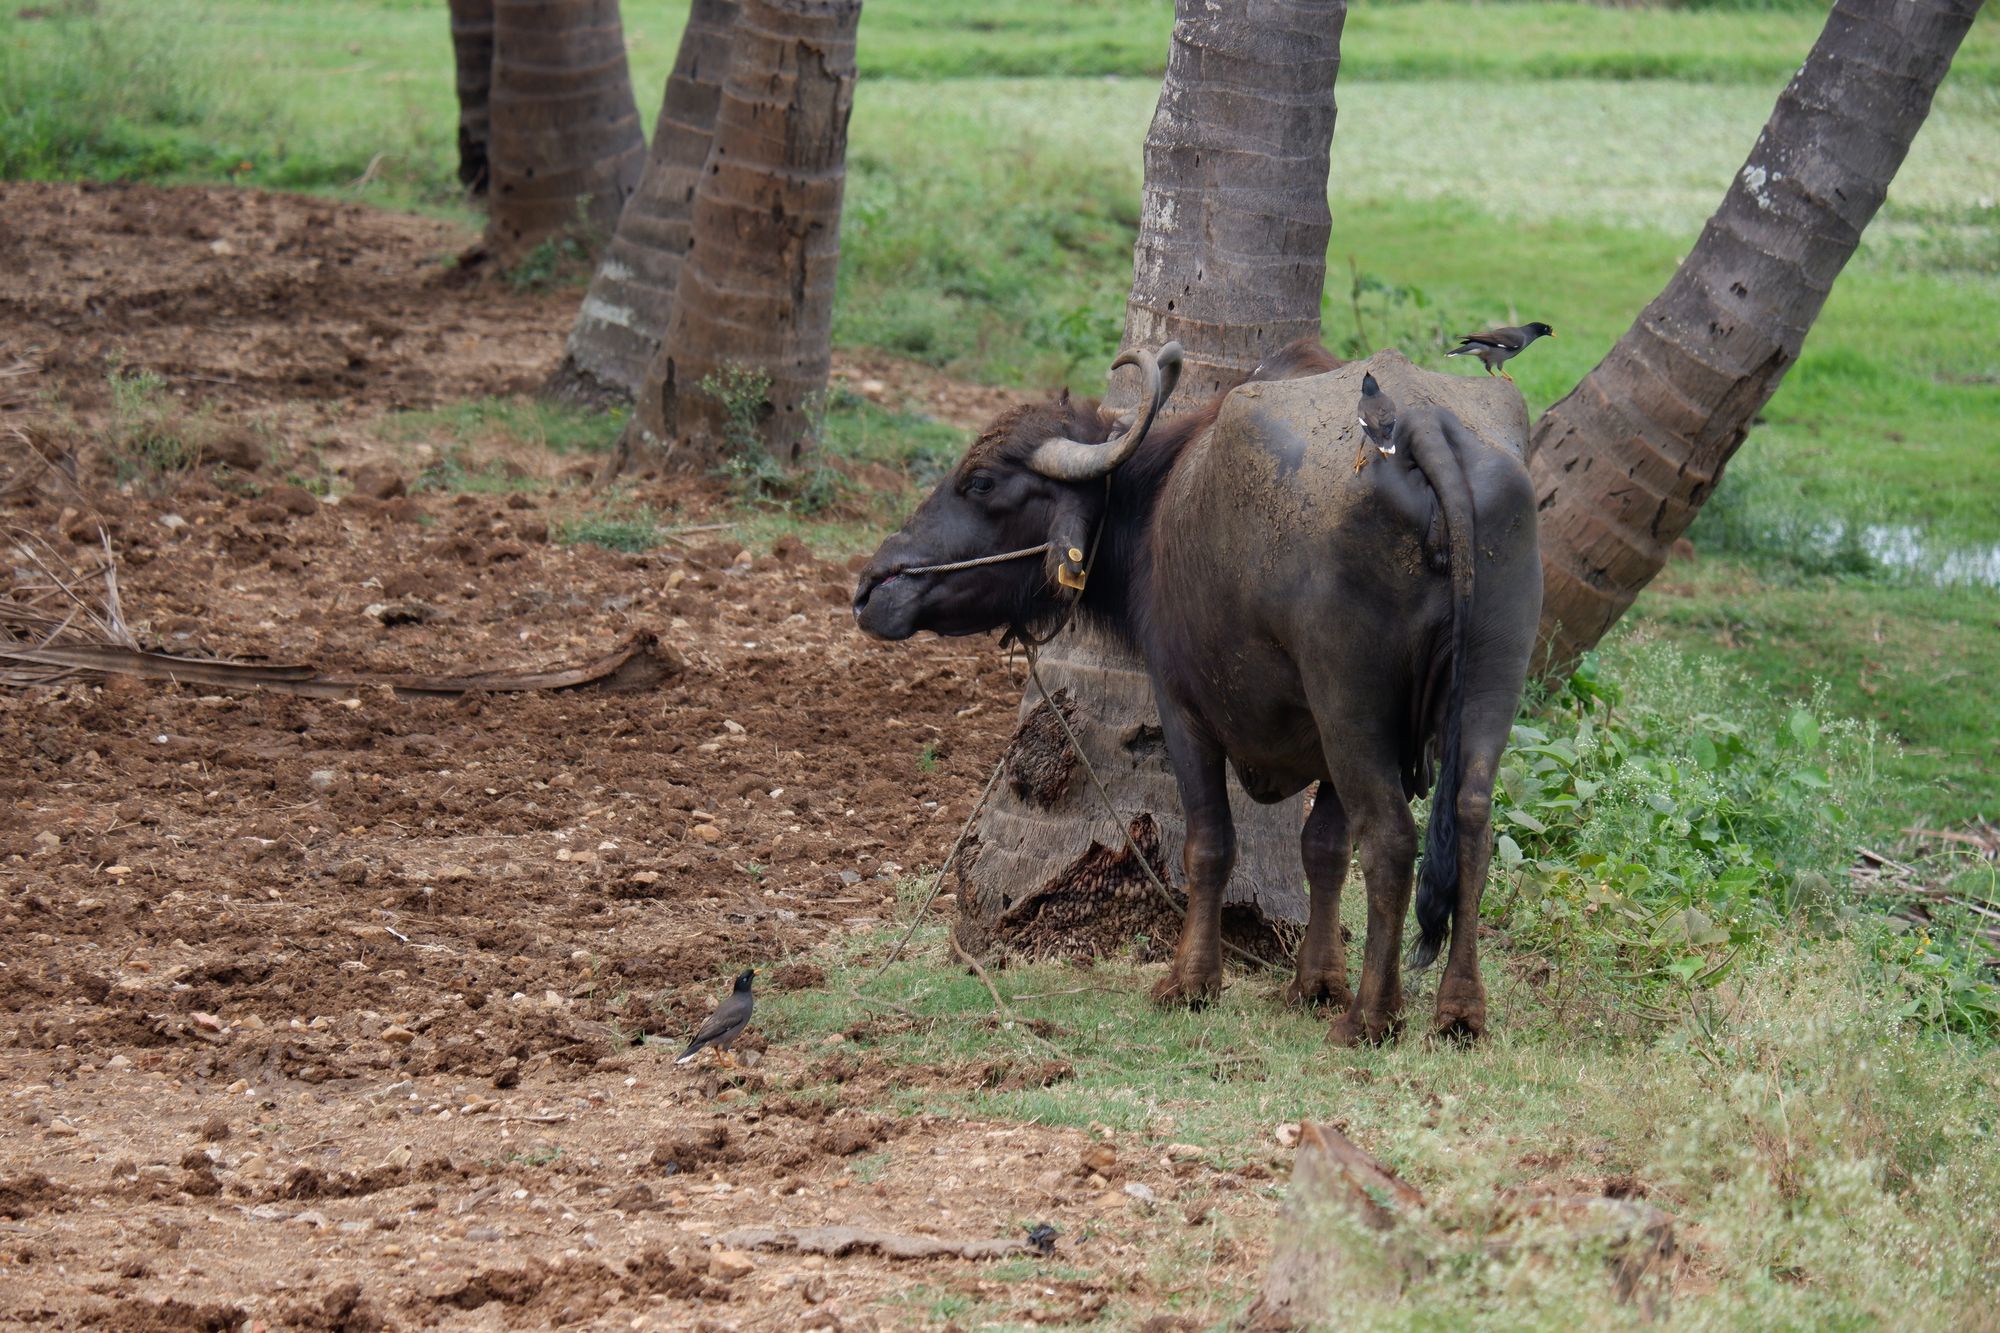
<point x="1320" y="594"/>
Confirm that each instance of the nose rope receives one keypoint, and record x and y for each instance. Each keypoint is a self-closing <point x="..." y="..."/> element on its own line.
<point x="1002" y="559"/>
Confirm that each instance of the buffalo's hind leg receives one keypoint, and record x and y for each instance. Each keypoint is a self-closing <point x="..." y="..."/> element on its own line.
<point x="1372" y="794"/>
<point x="1461" y="998"/>
<point x="1195" y="976"/>
<point x="1321" y="976"/>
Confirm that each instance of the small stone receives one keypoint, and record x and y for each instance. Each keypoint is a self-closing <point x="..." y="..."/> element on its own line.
<point x="708" y="833"/>
<point x="61" y="1128"/>
<point x="172" y="522"/>
<point x="1143" y="1193"/>
<point x="645" y="877"/>
<point x="733" y="727"/>
<point x="1100" y="1158"/>
<point x="118" y="1062"/>
<point x="311" y="1217"/>
<point x="398" y="1158"/>
<point x="482" y="1233"/>
<point x="729" y="1265"/>
<point x="47" y="841"/>
<point x="398" y="1035"/>
<point x="321" y="779"/>
<point x="206" y="1022"/>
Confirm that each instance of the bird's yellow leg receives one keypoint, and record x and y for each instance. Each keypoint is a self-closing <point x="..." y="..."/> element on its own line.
<point x="1505" y="376"/>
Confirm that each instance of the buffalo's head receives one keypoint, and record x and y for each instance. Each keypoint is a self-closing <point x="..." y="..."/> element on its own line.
<point x="1035" y="477"/>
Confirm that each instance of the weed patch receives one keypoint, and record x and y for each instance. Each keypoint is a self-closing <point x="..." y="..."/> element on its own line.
<point x="155" y="440"/>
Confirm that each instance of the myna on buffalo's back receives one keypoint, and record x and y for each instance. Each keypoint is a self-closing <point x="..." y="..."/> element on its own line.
<point x="1496" y="347"/>
<point x="726" y="1024"/>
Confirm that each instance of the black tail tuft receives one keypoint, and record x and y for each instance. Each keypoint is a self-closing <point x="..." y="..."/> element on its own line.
<point x="1437" y="878"/>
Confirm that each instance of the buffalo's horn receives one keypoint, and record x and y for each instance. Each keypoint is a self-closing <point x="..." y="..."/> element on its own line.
<point x="1073" y="460"/>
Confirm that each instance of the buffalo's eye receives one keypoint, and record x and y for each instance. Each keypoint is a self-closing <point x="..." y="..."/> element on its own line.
<point x="981" y="483"/>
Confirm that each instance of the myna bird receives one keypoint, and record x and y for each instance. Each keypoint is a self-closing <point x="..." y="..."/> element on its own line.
<point x="1496" y="347"/>
<point x="1378" y="422"/>
<point x="726" y="1024"/>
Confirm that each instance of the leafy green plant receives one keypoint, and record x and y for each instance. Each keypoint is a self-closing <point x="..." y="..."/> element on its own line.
<point x="758" y="478"/>
<point x="559" y="259"/>
<point x="1653" y="838"/>
<point x="1381" y="313"/>
<point x="155" y="440"/>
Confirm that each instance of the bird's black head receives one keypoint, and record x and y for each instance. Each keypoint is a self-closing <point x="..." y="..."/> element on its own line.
<point x="743" y="979"/>
<point x="1538" y="330"/>
<point x="1378" y="413"/>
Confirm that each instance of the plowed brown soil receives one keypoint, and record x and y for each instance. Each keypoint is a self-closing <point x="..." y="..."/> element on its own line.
<point x="331" y="1015"/>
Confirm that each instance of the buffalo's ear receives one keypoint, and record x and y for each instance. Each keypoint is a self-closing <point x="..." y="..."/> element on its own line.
<point x="1062" y="399"/>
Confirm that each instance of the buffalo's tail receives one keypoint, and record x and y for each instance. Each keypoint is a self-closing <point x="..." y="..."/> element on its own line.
<point x="1437" y="878"/>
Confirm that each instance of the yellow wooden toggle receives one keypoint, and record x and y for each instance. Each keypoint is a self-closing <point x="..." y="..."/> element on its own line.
<point x="1071" y="573"/>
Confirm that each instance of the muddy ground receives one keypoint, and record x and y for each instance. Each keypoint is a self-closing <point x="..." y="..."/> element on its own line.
<point x="330" y="1014"/>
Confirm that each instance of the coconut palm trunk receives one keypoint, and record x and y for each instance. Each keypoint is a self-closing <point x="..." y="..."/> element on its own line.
<point x="624" y="315"/>
<point x="1230" y="261"/>
<point x="1625" y="461"/>
<point x="745" y="358"/>
<point x="567" y="148"/>
<point x="472" y="49"/>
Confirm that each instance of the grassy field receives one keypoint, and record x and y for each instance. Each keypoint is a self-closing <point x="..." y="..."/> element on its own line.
<point x="1804" y="1082"/>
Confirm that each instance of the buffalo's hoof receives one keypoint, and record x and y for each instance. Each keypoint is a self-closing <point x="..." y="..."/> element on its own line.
<point x="1187" y="988"/>
<point x="1461" y="1012"/>
<point x="1356" y="1028"/>
<point x="1310" y="990"/>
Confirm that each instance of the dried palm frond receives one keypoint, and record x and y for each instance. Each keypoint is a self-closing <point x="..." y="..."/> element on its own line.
<point x="48" y="602"/>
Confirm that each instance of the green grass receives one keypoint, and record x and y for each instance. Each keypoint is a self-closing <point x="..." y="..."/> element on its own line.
<point x="1820" y="1139"/>
<point x="1913" y="658"/>
<point x="1824" y="1165"/>
<point x="613" y="525"/>
<point x="557" y="427"/>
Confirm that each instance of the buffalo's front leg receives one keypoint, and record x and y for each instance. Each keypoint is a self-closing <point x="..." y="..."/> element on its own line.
<point x="1195" y="977"/>
<point x="1321" y="976"/>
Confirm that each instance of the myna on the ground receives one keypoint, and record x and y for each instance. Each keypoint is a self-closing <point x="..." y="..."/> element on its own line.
<point x="1496" y="347"/>
<point x="726" y="1024"/>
